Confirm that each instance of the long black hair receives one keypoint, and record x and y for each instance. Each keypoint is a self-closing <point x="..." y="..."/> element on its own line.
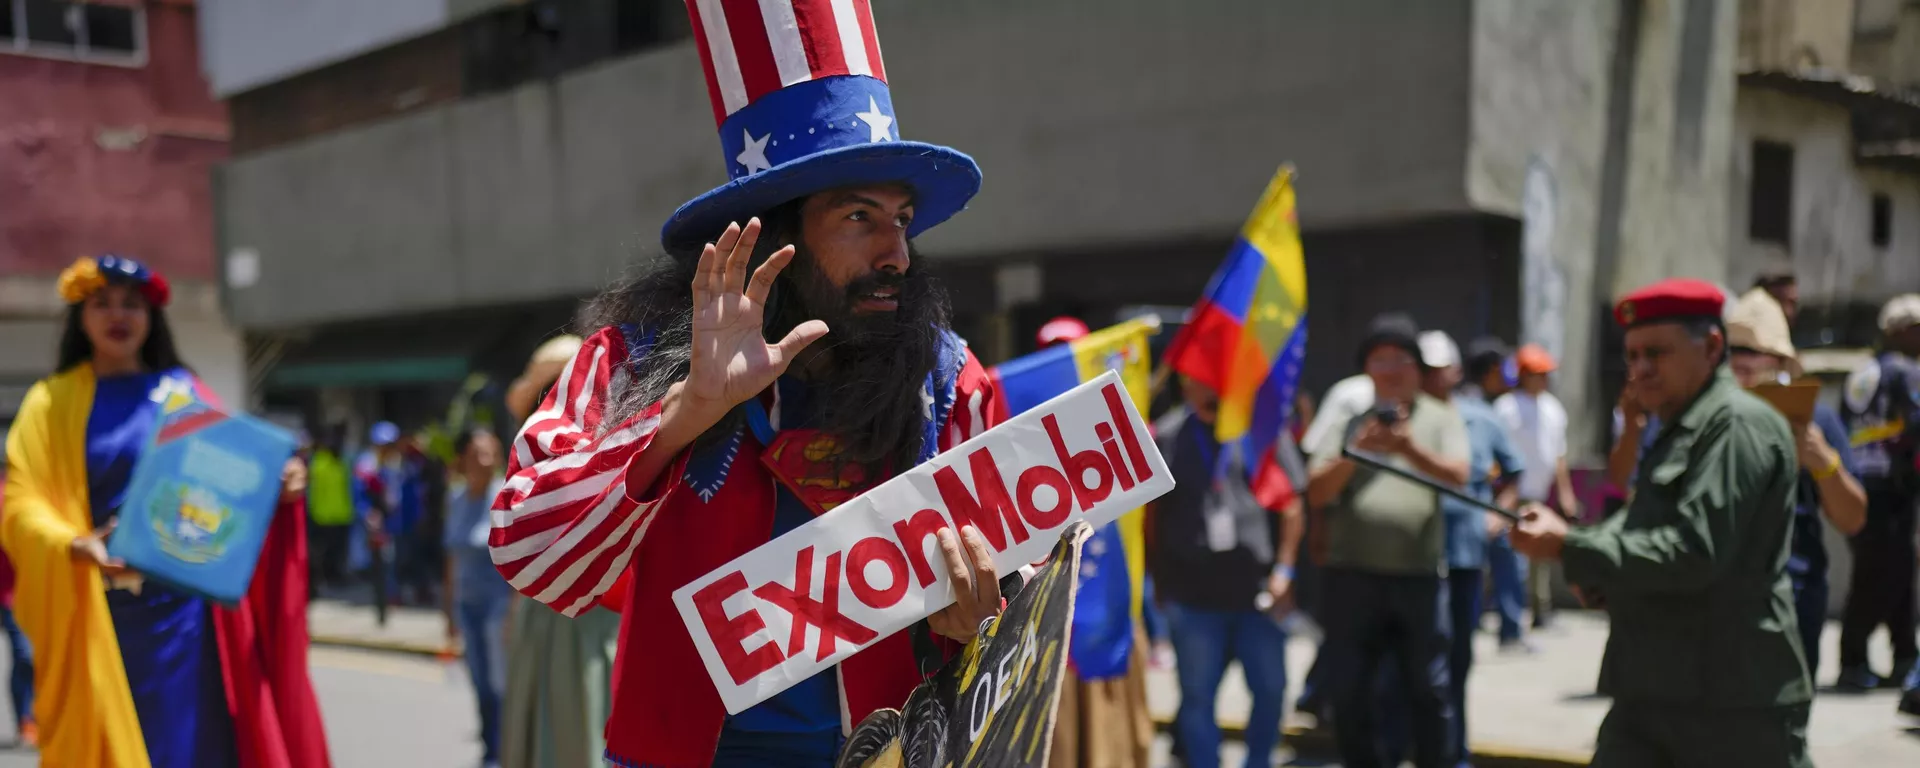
<point x="157" y="354"/>
<point x="872" y="401"/>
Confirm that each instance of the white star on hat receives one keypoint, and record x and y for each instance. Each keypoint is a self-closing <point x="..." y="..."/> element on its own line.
<point x="879" y="126"/>
<point x="754" y="157"/>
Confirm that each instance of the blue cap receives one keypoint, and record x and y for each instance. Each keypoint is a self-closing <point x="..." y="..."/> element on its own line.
<point x="384" y="433"/>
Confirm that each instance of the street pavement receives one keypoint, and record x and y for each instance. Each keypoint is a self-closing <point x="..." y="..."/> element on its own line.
<point x="1523" y="709"/>
<point x="381" y="709"/>
<point x="1541" y="709"/>
<point x="408" y="708"/>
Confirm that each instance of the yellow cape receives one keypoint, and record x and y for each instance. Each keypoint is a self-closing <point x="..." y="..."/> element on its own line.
<point x="84" y="707"/>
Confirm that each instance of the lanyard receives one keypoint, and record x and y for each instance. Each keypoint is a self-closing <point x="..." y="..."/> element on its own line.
<point x="1216" y="463"/>
<point x="1209" y="450"/>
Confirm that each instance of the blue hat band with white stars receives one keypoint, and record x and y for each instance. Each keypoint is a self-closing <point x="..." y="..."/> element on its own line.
<point x="812" y="137"/>
<point x="805" y="119"/>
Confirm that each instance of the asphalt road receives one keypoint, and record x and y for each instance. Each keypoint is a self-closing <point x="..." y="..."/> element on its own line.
<point x="386" y="709"/>
<point x="380" y="709"/>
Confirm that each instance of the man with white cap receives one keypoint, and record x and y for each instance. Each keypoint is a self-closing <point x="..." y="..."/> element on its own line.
<point x="1494" y="463"/>
<point x="1883" y="415"/>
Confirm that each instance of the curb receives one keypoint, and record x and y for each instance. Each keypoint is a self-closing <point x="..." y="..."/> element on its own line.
<point x="433" y="650"/>
<point x="1317" y="742"/>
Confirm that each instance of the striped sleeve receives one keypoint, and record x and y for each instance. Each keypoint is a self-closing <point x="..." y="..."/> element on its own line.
<point x="566" y="524"/>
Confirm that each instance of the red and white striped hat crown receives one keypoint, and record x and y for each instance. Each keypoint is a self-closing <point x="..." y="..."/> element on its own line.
<point x="751" y="48"/>
<point x="800" y="93"/>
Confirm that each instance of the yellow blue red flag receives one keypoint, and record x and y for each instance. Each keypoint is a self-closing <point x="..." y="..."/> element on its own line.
<point x="1113" y="562"/>
<point x="1247" y="336"/>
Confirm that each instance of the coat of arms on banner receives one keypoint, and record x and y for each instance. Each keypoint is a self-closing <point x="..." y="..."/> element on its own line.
<point x="190" y="523"/>
<point x="202" y="496"/>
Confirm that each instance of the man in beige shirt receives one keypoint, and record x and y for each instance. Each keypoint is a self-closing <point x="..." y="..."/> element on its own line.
<point x="1385" y="555"/>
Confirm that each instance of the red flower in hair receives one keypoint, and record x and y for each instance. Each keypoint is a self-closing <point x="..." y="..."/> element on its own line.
<point x="156" y="290"/>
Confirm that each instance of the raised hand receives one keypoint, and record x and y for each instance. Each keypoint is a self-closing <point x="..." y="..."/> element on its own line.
<point x="1630" y="411"/>
<point x="1811" y="445"/>
<point x="732" y="360"/>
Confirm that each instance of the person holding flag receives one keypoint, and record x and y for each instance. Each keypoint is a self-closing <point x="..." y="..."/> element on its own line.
<point x="1221" y="545"/>
<point x="1103" y="721"/>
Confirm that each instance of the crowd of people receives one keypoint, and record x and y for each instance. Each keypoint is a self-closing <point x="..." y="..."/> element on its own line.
<point x="791" y="306"/>
<point x="398" y="524"/>
<point x="1403" y="572"/>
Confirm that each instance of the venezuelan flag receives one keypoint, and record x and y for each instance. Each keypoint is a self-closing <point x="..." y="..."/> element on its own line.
<point x="1113" y="562"/>
<point x="1247" y="336"/>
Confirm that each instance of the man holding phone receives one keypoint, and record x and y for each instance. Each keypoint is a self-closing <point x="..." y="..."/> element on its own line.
<point x="1385" y="556"/>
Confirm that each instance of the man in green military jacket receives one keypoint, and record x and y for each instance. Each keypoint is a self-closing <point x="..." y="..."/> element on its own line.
<point x="1704" y="662"/>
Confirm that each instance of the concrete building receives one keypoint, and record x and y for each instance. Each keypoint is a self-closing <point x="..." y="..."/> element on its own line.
<point x="1826" y="173"/>
<point x="422" y="191"/>
<point x="108" y="134"/>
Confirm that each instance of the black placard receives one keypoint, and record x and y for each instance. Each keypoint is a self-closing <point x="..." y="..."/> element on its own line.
<point x="995" y="703"/>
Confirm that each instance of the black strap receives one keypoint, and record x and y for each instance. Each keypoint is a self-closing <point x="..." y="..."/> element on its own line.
<point x="925" y="651"/>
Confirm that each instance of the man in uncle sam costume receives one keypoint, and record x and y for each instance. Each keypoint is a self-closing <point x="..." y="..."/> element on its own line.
<point x="786" y="353"/>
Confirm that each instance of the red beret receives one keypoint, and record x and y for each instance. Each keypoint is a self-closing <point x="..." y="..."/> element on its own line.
<point x="1669" y="300"/>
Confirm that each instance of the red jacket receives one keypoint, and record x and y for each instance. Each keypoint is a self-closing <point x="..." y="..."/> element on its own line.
<point x="567" y="528"/>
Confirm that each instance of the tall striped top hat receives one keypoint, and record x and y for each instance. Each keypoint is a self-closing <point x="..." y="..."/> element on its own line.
<point x="801" y="97"/>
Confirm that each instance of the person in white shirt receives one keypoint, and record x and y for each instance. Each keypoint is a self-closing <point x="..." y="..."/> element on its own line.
<point x="1537" y="422"/>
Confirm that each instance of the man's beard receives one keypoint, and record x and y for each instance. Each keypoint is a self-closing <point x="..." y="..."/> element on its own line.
<point x="870" y="394"/>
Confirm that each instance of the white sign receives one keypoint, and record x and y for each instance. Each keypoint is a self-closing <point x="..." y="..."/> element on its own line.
<point x="872" y="566"/>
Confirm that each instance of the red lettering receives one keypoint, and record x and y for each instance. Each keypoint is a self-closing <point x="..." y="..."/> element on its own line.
<point x="1141" y="469"/>
<point x="802" y="585"/>
<point x="1039" y="475"/>
<point x="986" y="512"/>
<point x="728" y="633"/>
<point x="1104" y="431"/>
<point x="875" y="549"/>
<point x="913" y="534"/>
<point x="1077" y="465"/>
<point x="823" y="613"/>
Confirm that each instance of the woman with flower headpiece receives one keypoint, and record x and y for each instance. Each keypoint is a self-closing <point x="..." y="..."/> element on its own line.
<point x="135" y="674"/>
